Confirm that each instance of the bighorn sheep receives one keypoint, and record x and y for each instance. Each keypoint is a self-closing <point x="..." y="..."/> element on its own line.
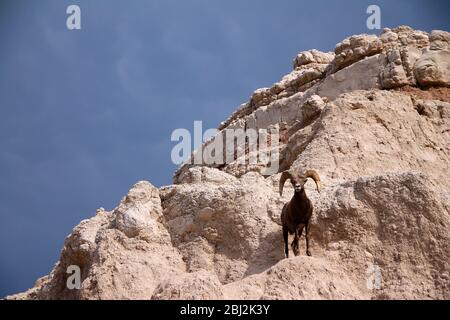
<point x="297" y="212"/>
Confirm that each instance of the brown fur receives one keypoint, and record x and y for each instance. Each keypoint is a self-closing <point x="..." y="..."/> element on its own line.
<point x="297" y="212"/>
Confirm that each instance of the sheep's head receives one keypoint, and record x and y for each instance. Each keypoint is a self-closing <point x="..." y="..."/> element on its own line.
<point x="298" y="180"/>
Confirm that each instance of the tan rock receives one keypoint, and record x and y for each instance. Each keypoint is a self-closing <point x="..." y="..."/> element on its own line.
<point x="199" y="285"/>
<point x="312" y="56"/>
<point x="353" y="49"/>
<point x="394" y="74"/>
<point x="433" y="68"/>
<point x="440" y="40"/>
<point x="297" y="278"/>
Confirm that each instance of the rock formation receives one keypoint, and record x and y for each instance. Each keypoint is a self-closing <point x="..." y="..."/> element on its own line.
<point x="372" y="117"/>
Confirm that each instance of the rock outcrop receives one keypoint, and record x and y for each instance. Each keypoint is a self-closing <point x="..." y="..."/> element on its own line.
<point x="372" y="117"/>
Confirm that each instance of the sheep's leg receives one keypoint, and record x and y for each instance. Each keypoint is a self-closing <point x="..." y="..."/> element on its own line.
<point x="285" y="236"/>
<point x="294" y="243"/>
<point x="300" y="230"/>
<point x="307" y="239"/>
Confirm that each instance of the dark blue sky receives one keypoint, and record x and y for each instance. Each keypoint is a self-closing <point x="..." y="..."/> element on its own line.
<point x="84" y="114"/>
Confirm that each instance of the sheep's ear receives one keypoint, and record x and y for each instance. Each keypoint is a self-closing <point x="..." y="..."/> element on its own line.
<point x="284" y="176"/>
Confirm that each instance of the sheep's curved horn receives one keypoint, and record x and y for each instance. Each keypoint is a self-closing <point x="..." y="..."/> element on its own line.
<point x="315" y="176"/>
<point x="284" y="176"/>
